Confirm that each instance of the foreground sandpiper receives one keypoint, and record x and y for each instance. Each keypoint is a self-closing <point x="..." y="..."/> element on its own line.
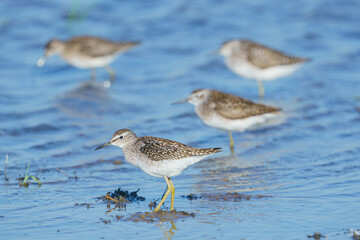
<point x="87" y="52"/>
<point x="229" y="112"/>
<point x="158" y="157"/>
<point x="254" y="61"/>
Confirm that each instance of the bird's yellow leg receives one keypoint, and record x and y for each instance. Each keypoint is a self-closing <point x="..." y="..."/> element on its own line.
<point x="231" y="142"/>
<point x="111" y="72"/>
<point x="172" y="195"/>
<point x="166" y="194"/>
<point x="261" y="89"/>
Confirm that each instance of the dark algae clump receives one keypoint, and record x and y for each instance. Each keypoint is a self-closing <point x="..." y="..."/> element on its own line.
<point x="121" y="196"/>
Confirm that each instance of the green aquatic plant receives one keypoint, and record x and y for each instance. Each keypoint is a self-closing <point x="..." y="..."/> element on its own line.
<point x="79" y="11"/>
<point x="25" y="182"/>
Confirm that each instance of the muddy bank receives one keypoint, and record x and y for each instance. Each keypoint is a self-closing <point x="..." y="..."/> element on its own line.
<point x="160" y="216"/>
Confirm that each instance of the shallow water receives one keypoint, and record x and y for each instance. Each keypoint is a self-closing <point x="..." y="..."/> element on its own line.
<point x="54" y="118"/>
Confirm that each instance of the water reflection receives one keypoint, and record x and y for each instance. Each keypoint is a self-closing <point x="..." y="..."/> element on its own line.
<point x="87" y="100"/>
<point x="231" y="173"/>
<point x="168" y="232"/>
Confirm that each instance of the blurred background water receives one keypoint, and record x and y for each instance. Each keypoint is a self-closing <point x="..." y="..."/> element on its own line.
<point x="53" y="118"/>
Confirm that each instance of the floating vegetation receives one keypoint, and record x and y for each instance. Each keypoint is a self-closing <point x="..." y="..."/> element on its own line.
<point x="229" y="196"/>
<point x="316" y="236"/>
<point x="23" y="181"/>
<point x="120" y="196"/>
<point x="160" y="216"/>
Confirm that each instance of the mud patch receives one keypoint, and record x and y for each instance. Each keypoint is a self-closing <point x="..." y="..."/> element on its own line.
<point x="160" y="216"/>
<point x="121" y="196"/>
<point x="316" y="236"/>
<point x="229" y="197"/>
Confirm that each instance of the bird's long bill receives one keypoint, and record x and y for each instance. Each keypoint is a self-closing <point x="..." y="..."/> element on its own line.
<point x="102" y="146"/>
<point x="41" y="61"/>
<point x="181" y="101"/>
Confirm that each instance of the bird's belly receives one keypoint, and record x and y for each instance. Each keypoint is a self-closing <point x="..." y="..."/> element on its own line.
<point x="238" y="124"/>
<point x="248" y="70"/>
<point x="169" y="168"/>
<point x="87" y="62"/>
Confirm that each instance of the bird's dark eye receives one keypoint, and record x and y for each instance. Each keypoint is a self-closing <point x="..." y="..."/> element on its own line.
<point x="121" y="137"/>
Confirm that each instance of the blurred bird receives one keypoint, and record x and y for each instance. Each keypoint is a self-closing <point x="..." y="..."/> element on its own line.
<point x="254" y="61"/>
<point x="229" y="112"/>
<point x="87" y="52"/>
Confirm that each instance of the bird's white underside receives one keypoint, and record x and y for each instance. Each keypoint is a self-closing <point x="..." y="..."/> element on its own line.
<point x="240" y="125"/>
<point x="87" y="62"/>
<point x="250" y="71"/>
<point x="169" y="168"/>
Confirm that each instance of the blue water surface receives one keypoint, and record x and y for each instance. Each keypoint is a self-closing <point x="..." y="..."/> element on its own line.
<point x="53" y="118"/>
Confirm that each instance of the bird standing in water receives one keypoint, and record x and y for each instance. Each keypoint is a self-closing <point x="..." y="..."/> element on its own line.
<point x="254" y="61"/>
<point x="229" y="112"/>
<point x="87" y="52"/>
<point x="158" y="157"/>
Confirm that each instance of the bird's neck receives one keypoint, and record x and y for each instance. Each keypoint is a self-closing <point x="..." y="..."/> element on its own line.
<point x="202" y="109"/>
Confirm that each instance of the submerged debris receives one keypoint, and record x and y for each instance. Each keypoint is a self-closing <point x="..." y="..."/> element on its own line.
<point x="5" y="173"/>
<point x="120" y="196"/>
<point x="152" y="205"/>
<point x="191" y="196"/>
<point x="108" y="221"/>
<point x="229" y="196"/>
<point x="161" y="216"/>
<point x="88" y="205"/>
<point x="70" y="177"/>
<point x="117" y="162"/>
<point x="316" y="236"/>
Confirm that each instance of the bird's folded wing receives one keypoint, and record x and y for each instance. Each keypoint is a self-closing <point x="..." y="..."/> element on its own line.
<point x="264" y="57"/>
<point x="158" y="149"/>
<point x="96" y="47"/>
<point x="238" y="108"/>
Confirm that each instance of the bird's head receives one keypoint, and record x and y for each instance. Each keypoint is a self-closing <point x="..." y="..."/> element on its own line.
<point x="197" y="97"/>
<point x="53" y="47"/>
<point x="120" y="138"/>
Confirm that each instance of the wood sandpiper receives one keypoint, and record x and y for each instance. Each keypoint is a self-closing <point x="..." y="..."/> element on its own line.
<point x="229" y="112"/>
<point x="254" y="61"/>
<point x="87" y="52"/>
<point x="158" y="157"/>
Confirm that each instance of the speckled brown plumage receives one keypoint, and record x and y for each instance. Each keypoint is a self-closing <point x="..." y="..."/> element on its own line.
<point x="97" y="47"/>
<point x="265" y="57"/>
<point x="158" y="149"/>
<point x="234" y="107"/>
